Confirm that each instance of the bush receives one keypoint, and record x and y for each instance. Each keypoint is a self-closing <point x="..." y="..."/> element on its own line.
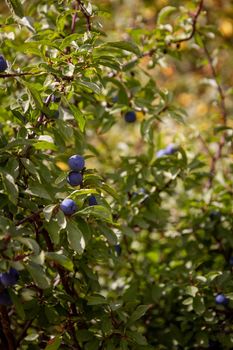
<point x="138" y="255"/>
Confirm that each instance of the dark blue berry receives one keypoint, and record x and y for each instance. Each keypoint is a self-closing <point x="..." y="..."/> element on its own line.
<point x="130" y="117"/>
<point x="74" y="178"/>
<point x="68" y="206"/>
<point x="92" y="200"/>
<point x="3" y="64"/>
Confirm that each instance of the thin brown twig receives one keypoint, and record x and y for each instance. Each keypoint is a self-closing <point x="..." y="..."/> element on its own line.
<point x="86" y="15"/>
<point x="74" y="18"/>
<point x="194" y="24"/>
<point x="223" y="111"/>
<point x="13" y="75"/>
<point x="24" y="332"/>
<point x="5" y="323"/>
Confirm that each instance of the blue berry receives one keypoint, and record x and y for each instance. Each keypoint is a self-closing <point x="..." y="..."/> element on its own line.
<point x="9" y="278"/>
<point x="76" y="162"/>
<point x="3" y="64"/>
<point x="68" y="206"/>
<point x="220" y="299"/>
<point x="74" y="178"/>
<point x="92" y="200"/>
<point x="130" y="117"/>
<point x="170" y="149"/>
<point x="231" y="261"/>
<point x="118" y="249"/>
<point x="161" y="153"/>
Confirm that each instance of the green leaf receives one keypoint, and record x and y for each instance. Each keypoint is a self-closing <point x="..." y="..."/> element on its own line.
<point x="109" y="234"/>
<point x="166" y="11"/>
<point x="75" y="237"/>
<point x="98" y="211"/>
<point x="138" y="313"/>
<point x="38" y="275"/>
<point x="96" y="300"/>
<point x="54" y="344"/>
<point x="198" y="305"/>
<point x="38" y="190"/>
<point x="138" y="338"/>
<point x="191" y="290"/>
<point x="78" y="116"/>
<point x="17" y="303"/>
<point x="125" y="45"/>
<point x="61" y="259"/>
<point x="48" y="211"/>
<point x="30" y="243"/>
<point x="15" y="7"/>
<point x="10" y="187"/>
<point x="110" y="191"/>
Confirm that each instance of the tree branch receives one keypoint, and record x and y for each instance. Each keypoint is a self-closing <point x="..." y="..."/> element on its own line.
<point x="5" y="323"/>
<point x="223" y="111"/>
<point x="86" y="15"/>
<point x="194" y="24"/>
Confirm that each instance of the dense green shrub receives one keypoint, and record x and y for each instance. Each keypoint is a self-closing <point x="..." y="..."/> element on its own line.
<point x="133" y="248"/>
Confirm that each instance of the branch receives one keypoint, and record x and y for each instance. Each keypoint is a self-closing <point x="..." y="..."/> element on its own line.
<point x="85" y="14"/>
<point x="66" y="286"/>
<point x="29" y="218"/>
<point x="24" y="332"/>
<point x="223" y="111"/>
<point x="5" y="323"/>
<point x="74" y="17"/>
<point x="13" y="75"/>
<point x="194" y="24"/>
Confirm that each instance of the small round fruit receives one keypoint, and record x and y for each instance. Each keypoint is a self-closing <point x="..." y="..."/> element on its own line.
<point x="220" y="299"/>
<point x="118" y="249"/>
<point x="3" y="64"/>
<point x="76" y="162"/>
<point x="215" y="215"/>
<point x="231" y="261"/>
<point x="5" y="298"/>
<point x="74" y="178"/>
<point x="115" y="99"/>
<point x="68" y="206"/>
<point x="170" y="149"/>
<point x="130" y="117"/>
<point x="9" y="278"/>
<point x="92" y="200"/>
<point x="161" y="153"/>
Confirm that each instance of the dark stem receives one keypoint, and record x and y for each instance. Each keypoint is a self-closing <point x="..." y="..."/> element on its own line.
<point x="24" y="332"/>
<point x="85" y="14"/>
<point x="194" y="24"/>
<point x="74" y="18"/>
<point x="223" y="110"/>
<point x="5" y="323"/>
<point x="66" y="286"/>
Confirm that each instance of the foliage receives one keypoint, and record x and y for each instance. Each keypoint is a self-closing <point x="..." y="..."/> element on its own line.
<point x="140" y="262"/>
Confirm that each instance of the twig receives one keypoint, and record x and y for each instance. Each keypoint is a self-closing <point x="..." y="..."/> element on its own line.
<point x="194" y="24"/>
<point x="13" y="75"/>
<point x="223" y="110"/>
<point x="74" y="18"/>
<point x="29" y="218"/>
<point x="86" y="15"/>
<point x="66" y="286"/>
<point x="24" y="332"/>
<point x="5" y="323"/>
<point x="220" y="90"/>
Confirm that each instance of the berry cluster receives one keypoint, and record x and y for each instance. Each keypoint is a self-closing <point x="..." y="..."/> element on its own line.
<point x="75" y="178"/>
